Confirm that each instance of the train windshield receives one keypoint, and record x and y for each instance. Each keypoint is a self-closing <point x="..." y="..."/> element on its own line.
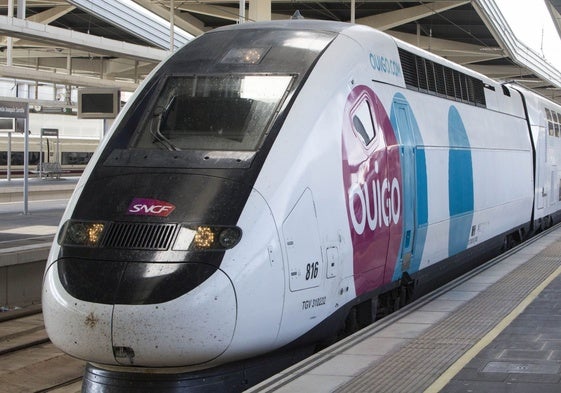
<point x="213" y="112"/>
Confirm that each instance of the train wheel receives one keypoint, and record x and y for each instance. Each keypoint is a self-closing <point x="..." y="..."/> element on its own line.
<point x="398" y="297"/>
<point x="360" y="316"/>
<point x="406" y="289"/>
<point x="351" y="323"/>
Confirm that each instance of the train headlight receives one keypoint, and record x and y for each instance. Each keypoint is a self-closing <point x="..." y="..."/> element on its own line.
<point x="245" y="55"/>
<point x="206" y="238"/>
<point x="81" y="233"/>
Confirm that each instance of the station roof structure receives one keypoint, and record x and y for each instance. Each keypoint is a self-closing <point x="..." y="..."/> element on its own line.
<point x="115" y="43"/>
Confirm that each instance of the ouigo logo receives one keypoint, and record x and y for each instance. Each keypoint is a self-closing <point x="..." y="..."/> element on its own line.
<point x="372" y="187"/>
<point x="150" y="207"/>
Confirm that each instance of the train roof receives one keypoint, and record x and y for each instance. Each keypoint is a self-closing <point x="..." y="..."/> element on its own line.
<point x="291" y="24"/>
<point x="535" y="103"/>
<point x="348" y="28"/>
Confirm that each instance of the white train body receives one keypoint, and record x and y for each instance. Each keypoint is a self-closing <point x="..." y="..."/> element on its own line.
<point x="370" y="174"/>
<point x="545" y="124"/>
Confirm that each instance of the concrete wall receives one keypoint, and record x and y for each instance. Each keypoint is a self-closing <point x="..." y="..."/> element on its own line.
<point x="21" y="276"/>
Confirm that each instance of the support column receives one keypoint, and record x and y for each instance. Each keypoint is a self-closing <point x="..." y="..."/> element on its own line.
<point x="36" y="82"/>
<point x="21" y="9"/>
<point x="136" y="71"/>
<point x="259" y="10"/>
<point x="9" y="40"/>
<point x="68" y="87"/>
<point x="171" y="25"/>
<point x="9" y="157"/>
<point x="21" y="15"/>
<point x="242" y="12"/>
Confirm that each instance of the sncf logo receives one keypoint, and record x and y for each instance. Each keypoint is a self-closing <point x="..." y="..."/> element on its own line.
<point x="150" y="207"/>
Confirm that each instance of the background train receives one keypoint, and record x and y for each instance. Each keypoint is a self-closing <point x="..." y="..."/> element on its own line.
<point x="275" y="185"/>
<point x="78" y="139"/>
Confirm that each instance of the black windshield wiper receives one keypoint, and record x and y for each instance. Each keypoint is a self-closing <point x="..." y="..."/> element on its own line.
<point x="159" y="117"/>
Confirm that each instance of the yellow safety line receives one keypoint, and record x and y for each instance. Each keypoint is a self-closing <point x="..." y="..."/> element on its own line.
<point x="454" y="369"/>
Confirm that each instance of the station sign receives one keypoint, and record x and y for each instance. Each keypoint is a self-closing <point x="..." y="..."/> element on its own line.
<point x="49" y="132"/>
<point x="14" y="110"/>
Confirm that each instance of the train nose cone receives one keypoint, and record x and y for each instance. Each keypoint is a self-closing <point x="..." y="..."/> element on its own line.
<point x="192" y="329"/>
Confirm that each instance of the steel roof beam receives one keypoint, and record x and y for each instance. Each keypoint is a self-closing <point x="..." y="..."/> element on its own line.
<point x="186" y="22"/>
<point x="389" y="20"/>
<point x="74" y="80"/>
<point x="323" y="1"/>
<point x="146" y="25"/>
<point x="228" y="13"/>
<point x="517" y="50"/>
<point x="84" y="65"/>
<point x="67" y="38"/>
<point x="449" y="49"/>
<point x="555" y="16"/>
<point x="51" y="14"/>
<point x="501" y="72"/>
<point x="469" y="60"/>
<point x="36" y="3"/>
<point x="46" y="17"/>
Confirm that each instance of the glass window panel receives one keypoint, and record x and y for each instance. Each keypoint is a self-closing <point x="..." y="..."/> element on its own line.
<point x="216" y="112"/>
<point x="363" y="123"/>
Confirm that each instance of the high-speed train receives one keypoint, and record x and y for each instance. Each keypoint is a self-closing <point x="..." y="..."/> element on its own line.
<point x="72" y="154"/>
<point x="78" y="138"/>
<point x="275" y="184"/>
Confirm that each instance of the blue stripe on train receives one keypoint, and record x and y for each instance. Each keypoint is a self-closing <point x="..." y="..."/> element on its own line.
<point x="414" y="176"/>
<point x="460" y="184"/>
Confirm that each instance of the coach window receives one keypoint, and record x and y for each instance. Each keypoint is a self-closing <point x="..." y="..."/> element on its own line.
<point x="363" y="123"/>
<point x="549" y="122"/>
<point x="556" y="122"/>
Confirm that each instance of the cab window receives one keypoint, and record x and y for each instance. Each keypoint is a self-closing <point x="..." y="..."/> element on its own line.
<point x="363" y="124"/>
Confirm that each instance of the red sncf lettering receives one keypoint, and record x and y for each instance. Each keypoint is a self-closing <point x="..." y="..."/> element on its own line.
<point x="150" y="207"/>
<point x="157" y="209"/>
<point x="136" y="208"/>
<point x="154" y="209"/>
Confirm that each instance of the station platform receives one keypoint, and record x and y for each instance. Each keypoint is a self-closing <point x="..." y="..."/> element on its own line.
<point x="46" y="203"/>
<point x="39" y="188"/>
<point x="497" y="329"/>
<point x="25" y="239"/>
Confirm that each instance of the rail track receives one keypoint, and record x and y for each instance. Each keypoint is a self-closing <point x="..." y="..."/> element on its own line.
<point x="29" y="362"/>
